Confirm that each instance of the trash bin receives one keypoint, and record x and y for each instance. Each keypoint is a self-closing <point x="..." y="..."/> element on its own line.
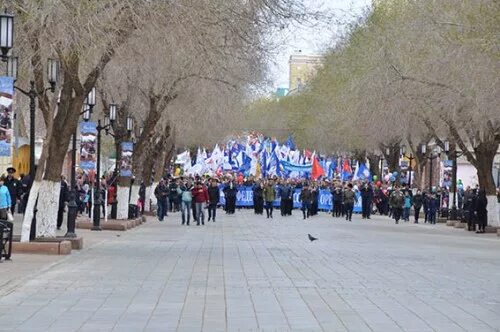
<point x="133" y="211"/>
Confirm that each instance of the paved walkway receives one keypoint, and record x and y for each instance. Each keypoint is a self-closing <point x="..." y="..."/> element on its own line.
<point x="248" y="273"/>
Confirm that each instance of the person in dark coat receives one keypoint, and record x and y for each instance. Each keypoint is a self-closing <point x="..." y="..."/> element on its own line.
<point x="306" y="197"/>
<point x="417" y="204"/>
<point x="366" y="200"/>
<point x="286" y="196"/>
<point x="213" y="199"/>
<point x="258" y="198"/>
<point x="314" y="200"/>
<point x="63" y="198"/>
<point x="480" y="205"/>
<point x="230" y="192"/>
<point x="337" y="202"/>
<point x="469" y="199"/>
<point x="14" y="186"/>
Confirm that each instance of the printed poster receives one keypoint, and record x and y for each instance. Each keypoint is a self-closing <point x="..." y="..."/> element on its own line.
<point x="6" y="98"/>
<point x="88" y="145"/>
<point x="126" y="159"/>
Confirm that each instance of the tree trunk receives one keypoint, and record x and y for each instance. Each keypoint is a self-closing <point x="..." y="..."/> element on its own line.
<point x="375" y="165"/>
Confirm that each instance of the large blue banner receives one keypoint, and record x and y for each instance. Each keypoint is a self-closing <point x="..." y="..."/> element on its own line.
<point x="88" y="142"/>
<point x="244" y="198"/>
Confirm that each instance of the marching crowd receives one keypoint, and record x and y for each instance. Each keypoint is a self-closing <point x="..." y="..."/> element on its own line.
<point x="193" y="195"/>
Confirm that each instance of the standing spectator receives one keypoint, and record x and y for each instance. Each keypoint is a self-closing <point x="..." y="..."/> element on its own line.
<point x="396" y="203"/>
<point x="200" y="197"/>
<point x="432" y="208"/>
<point x="314" y="200"/>
<point x="349" y="197"/>
<point x="213" y="199"/>
<point x="366" y="200"/>
<point x="417" y="204"/>
<point x="481" y="212"/>
<point x="5" y="199"/>
<point x="258" y="197"/>
<point x="306" y="197"/>
<point x="142" y="196"/>
<point x="63" y="198"/>
<point x="161" y="193"/>
<point x="269" y="193"/>
<point x="14" y="186"/>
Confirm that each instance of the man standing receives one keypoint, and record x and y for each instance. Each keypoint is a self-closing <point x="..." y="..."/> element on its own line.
<point x="417" y="204"/>
<point x="258" y="198"/>
<point x="14" y="186"/>
<point x="306" y="197"/>
<point x="161" y="194"/>
<point x="397" y="202"/>
<point x="213" y="199"/>
<point x="63" y="198"/>
<point x="366" y="200"/>
<point x="337" y="201"/>
<point x="269" y="197"/>
<point x="230" y="192"/>
<point x="200" y="197"/>
<point x="286" y="197"/>
<point x="349" y="198"/>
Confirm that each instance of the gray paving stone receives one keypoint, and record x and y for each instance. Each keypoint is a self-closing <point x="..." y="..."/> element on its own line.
<point x="245" y="273"/>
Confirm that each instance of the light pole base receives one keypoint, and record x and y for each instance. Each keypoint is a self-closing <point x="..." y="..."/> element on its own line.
<point x="70" y="235"/>
<point x="453" y="213"/>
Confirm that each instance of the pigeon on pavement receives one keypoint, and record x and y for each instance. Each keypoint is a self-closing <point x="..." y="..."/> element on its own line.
<point x="311" y="238"/>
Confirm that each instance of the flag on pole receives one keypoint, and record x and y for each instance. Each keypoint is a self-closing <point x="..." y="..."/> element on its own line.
<point x="317" y="171"/>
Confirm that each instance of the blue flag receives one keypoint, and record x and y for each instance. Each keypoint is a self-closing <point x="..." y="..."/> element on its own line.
<point x="290" y="143"/>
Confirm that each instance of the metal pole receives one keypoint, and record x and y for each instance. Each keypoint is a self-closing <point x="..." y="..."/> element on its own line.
<point x="32" y="95"/>
<point x="453" y="212"/>
<point x="97" y="201"/>
<point x="409" y="173"/>
<point x="430" y="173"/>
<point x="72" y="206"/>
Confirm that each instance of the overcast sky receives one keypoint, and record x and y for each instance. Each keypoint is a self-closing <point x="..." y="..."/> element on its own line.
<point x="314" y="40"/>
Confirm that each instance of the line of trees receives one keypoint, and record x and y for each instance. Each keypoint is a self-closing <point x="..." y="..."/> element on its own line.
<point x="409" y="72"/>
<point x="181" y="68"/>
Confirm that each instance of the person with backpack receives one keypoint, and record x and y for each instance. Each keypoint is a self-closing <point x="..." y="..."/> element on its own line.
<point x="396" y="203"/>
<point x="185" y="192"/>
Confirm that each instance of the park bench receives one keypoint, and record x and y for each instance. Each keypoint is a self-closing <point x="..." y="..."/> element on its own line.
<point x="6" y="230"/>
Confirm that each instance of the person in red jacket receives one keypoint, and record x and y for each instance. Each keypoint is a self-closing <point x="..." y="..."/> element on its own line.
<point x="200" y="198"/>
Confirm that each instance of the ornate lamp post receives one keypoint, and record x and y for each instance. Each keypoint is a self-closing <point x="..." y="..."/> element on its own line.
<point x="6" y="34"/>
<point x="410" y="157"/>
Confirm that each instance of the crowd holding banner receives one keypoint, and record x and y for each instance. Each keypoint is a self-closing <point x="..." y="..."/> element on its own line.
<point x="244" y="198"/>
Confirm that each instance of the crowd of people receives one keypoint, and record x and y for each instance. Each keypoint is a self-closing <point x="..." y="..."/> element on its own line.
<point x="198" y="198"/>
<point x="198" y="194"/>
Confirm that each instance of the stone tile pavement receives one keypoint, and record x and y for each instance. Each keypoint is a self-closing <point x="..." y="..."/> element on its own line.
<point x="247" y="273"/>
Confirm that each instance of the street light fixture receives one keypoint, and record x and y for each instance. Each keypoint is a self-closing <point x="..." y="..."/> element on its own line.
<point x="52" y="72"/>
<point x="12" y="66"/>
<point x="108" y="124"/>
<point x="130" y="124"/>
<point x="6" y="34"/>
<point x="32" y="94"/>
<point x="434" y="154"/>
<point x="410" y="157"/>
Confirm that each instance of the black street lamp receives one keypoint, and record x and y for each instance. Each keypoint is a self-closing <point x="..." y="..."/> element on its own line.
<point x="32" y="94"/>
<point x="433" y="155"/>
<point x="454" y="155"/>
<point x="108" y="124"/>
<point x="6" y="34"/>
<point x="411" y="158"/>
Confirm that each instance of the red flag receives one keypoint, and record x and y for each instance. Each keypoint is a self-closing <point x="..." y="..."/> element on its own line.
<point x="317" y="170"/>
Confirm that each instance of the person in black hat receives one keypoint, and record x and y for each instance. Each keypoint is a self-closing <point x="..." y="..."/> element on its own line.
<point x="14" y="186"/>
